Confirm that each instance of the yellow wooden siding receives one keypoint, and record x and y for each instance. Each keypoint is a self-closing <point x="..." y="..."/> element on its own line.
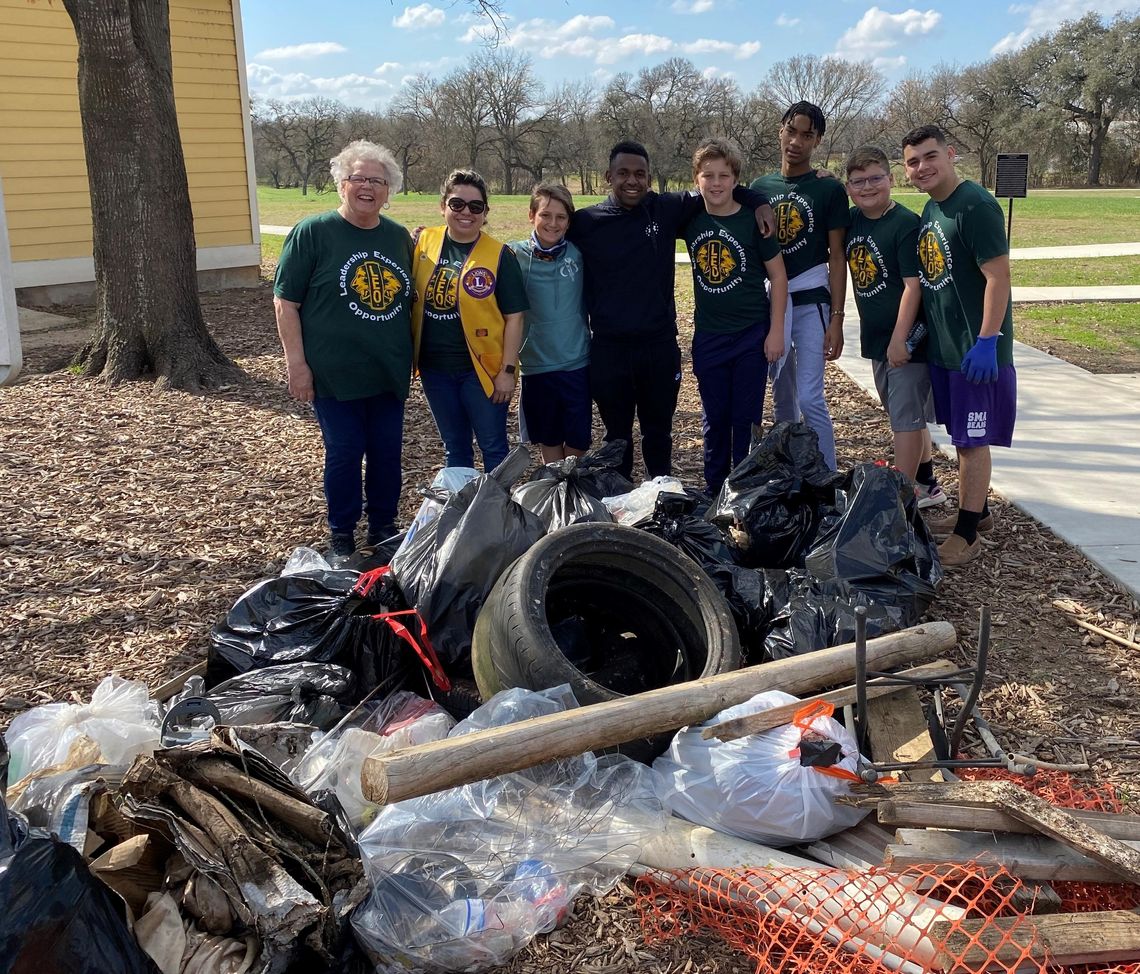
<point x="41" y="143"/>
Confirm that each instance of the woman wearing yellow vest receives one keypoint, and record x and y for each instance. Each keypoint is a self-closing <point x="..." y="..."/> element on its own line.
<point x="467" y="324"/>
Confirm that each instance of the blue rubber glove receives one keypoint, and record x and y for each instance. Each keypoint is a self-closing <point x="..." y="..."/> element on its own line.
<point x="980" y="362"/>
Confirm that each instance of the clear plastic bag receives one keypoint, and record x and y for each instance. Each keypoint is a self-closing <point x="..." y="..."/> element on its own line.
<point x="121" y="719"/>
<point x="335" y="761"/>
<point x="305" y="560"/>
<point x="639" y="503"/>
<point x="463" y="879"/>
<point x="450" y="480"/>
<point x="776" y="788"/>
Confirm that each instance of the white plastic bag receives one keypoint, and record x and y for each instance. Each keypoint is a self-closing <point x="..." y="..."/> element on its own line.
<point x="305" y="560"/>
<point x="449" y="480"/>
<point x="121" y="719"/>
<point x="639" y="503"/>
<point x="335" y="762"/>
<point x="758" y="787"/>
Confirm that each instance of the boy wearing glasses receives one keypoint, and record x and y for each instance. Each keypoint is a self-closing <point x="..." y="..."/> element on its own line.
<point x="882" y="255"/>
<point x="811" y="226"/>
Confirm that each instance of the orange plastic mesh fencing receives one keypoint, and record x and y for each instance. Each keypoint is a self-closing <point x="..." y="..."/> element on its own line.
<point x="834" y="921"/>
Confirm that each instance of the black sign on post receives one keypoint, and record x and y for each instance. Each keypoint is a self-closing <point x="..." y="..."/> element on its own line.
<point x="1012" y="181"/>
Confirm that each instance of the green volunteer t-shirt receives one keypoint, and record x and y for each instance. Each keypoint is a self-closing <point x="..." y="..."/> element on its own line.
<point x="880" y="253"/>
<point x="443" y="346"/>
<point x="955" y="238"/>
<point x="728" y="254"/>
<point x="806" y="207"/>
<point x="354" y="287"/>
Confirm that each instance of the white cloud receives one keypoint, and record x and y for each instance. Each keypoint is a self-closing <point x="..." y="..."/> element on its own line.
<point x="785" y="21"/>
<point x="1045" y="16"/>
<point x="420" y="17"/>
<point x="877" y="32"/>
<point x="592" y="37"/>
<point x="362" y="90"/>
<point x="693" y="6"/>
<point x="301" y="52"/>
<point x="387" y="67"/>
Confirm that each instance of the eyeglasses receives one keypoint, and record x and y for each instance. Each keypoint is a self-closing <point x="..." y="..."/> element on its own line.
<point x="867" y="181"/>
<point x="358" y="180"/>
<point x="457" y="205"/>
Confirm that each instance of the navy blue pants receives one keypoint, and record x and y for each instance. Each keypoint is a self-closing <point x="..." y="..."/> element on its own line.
<point x="367" y="430"/>
<point x="731" y="373"/>
<point x="459" y="407"/>
<point x="642" y="378"/>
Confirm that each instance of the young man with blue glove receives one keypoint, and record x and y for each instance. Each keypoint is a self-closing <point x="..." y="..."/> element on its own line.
<point x="963" y="258"/>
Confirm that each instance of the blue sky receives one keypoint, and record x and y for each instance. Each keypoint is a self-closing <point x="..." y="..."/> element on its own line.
<point x="360" y="51"/>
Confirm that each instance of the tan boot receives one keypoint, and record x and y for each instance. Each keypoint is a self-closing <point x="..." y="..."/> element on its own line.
<point x="943" y="527"/>
<point x="955" y="551"/>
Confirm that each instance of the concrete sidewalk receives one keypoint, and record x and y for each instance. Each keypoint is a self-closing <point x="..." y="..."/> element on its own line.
<point x="1075" y="460"/>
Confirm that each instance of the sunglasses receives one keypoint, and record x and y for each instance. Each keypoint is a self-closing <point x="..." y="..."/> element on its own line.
<point x="458" y="205"/>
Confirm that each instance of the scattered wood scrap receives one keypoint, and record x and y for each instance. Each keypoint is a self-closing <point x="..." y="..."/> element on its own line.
<point x="899" y="734"/>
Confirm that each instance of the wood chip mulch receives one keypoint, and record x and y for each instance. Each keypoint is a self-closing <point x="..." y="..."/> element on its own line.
<point x="131" y="521"/>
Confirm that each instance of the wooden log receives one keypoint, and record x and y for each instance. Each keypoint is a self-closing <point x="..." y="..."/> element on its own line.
<point x="859" y="847"/>
<point x="928" y="815"/>
<point x="731" y="730"/>
<point x="1027" y="856"/>
<point x="166" y="690"/>
<point x="898" y="733"/>
<point x="1063" y="940"/>
<point x="421" y="770"/>
<point x="1056" y="823"/>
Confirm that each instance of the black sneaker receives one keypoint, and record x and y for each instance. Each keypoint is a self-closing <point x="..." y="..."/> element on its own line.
<point x="377" y="536"/>
<point x="341" y="545"/>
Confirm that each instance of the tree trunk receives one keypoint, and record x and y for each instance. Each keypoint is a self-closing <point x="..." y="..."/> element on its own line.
<point x="149" y="319"/>
<point x="1096" y="152"/>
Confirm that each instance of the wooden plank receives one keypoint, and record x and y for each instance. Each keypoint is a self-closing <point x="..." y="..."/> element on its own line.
<point x="165" y="691"/>
<point x="1028" y="856"/>
<point x="428" y="768"/>
<point x="859" y="847"/>
<point x="1062" y="940"/>
<point x="1020" y="804"/>
<point x="907" y="814"/>
<point x="731" y="730"/>
<point x="897" y="731"/>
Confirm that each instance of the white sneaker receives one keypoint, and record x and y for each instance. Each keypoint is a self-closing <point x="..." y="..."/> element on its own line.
<point x="930" y="496"/>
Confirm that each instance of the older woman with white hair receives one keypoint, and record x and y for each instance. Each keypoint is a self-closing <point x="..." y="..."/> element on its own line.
<point x="343" y="299"/>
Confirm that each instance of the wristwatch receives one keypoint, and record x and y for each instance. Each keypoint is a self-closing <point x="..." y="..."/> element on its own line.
<point x="509" y="369"/>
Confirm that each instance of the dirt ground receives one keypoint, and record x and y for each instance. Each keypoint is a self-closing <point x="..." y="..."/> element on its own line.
<point x="132" y="521"/>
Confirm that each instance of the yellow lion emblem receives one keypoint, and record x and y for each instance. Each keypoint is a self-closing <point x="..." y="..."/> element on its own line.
<point x="376" y="285"/>
<point x="931" y="256"/>
<point x="862" y="264"/>
<point x="789" y="222"/>
<point x="715" y="262"/>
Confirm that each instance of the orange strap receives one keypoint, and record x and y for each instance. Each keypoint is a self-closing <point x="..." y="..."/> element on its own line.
<point x="802" y="719"/>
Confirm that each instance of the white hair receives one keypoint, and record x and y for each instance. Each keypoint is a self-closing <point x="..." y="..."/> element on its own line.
<point x="340" y="166"/>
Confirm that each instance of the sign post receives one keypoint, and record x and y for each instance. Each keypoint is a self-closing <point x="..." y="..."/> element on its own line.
<point x="1012" y="181"/>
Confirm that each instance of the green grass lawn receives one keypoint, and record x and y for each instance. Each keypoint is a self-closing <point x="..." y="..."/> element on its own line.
<point x="1077" y="271"/>
<point x="1101" y="336"/>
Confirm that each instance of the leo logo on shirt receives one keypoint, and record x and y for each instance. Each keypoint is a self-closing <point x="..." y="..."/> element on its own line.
<point x="479" y="282"/>
<point x="864" y="270"/>
<point x="789" y="222"/>
<point x="715" y="262"/>
<point x="376" y="285"/>
<point x="931" y="255"/>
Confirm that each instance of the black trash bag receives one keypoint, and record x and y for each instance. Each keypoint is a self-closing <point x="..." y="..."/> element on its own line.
<point x="304" y="693"/>
<point x="596" y="472"/>
<point x="875" y="540"/>
<point x="451" y="564"/>
<point x="745" y="592"/>
<point x="808" y="614"/>
<point x="312" y="617"/>
<point x="556" y="495"/>
<point x="56" y="916"/>
<point x="771" y="502"/>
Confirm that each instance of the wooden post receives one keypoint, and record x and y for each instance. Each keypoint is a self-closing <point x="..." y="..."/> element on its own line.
<point x="428" y="768"/>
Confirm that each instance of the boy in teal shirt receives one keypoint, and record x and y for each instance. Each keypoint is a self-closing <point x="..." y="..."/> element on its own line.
<point x="882" y="255"/>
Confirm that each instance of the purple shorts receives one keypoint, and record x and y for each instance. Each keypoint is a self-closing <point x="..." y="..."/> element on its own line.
<point x="975" y="415"/>
<point x="555" y="408"/>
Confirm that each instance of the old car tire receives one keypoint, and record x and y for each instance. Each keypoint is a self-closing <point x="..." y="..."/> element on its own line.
<point x="649" y="615"/>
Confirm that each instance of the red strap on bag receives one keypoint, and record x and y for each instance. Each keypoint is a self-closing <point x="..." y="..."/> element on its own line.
<point x="423" y="647"/>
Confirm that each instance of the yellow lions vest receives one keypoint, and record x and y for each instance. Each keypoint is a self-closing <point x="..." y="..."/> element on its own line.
<point x="478" y="310"/>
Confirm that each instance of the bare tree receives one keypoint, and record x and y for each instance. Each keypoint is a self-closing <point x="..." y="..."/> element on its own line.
<point x="462" y="109"/>
<point x="307" y="133"/>
<point x="516" y="114"/>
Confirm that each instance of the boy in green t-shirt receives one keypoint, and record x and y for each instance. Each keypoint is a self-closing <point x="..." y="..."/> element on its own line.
<point x="738" y="325"/>
<point x="882" y="255"/>
<point x="811" y="224"/>
<point x="963" y="259"/>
